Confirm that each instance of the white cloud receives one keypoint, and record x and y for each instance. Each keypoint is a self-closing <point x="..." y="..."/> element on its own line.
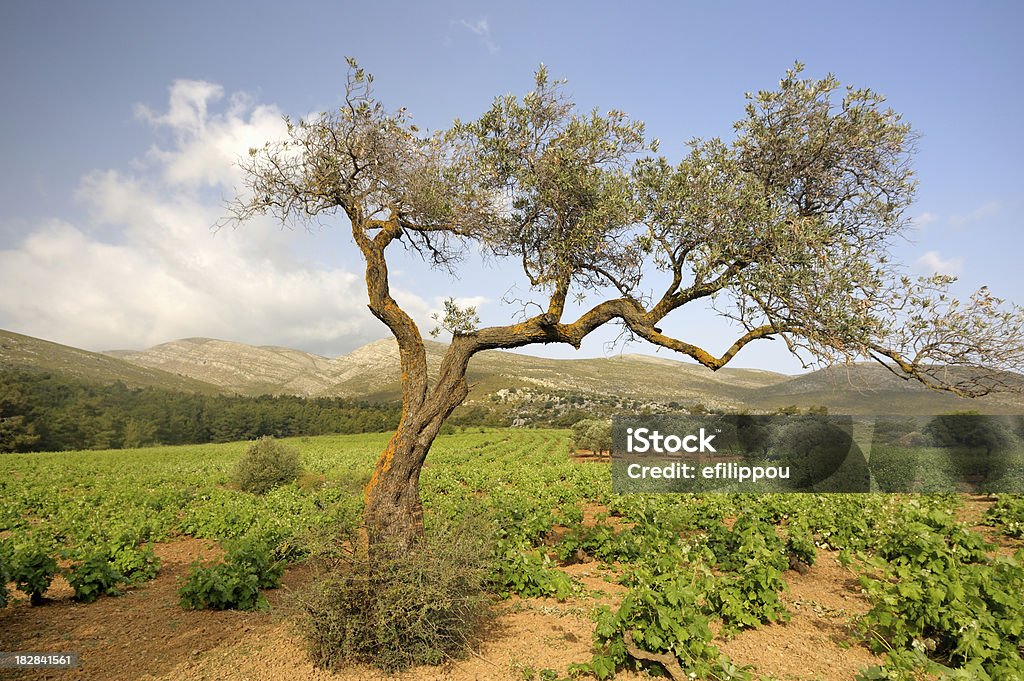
<point x="989" y="210"/>
<point x="471" y="301"/>
<point x="146" y="268"/>
<point x="482" y="30"/>
<point x="923" y="220"/>
<point x="932" y="262"/>
<point x="207" y="146"/>
<point x="187" y="108"/>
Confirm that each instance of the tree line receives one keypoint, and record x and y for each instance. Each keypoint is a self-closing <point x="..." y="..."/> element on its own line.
<point x="44" y="411"/>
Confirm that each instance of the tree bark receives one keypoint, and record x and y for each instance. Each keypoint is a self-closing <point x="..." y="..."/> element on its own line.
<point x="393" y="511"/>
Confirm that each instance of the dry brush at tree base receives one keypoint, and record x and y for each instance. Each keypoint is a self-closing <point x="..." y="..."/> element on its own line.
<point x="397" y="609"/>
<point x="784" y="229"/>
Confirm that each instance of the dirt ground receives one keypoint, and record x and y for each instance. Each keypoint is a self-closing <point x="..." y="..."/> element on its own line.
<point x="145" y="634"/>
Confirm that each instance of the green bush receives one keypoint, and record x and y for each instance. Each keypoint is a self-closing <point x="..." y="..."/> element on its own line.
<point x="267" y="464"/>
<point x="32" y="571"/>
<point x="1008" y="515"/>
<point x="135" y="563"/>
<point x="236" y="582"/>
<point x="528" y="573"/>
<point x="752" y="559"/>
<point x="940" y="603"/>
<point x="663" y="618"/>
<point x="592" y="434"/>
<point x="800" y="543"/>
<point x="5" y="572"/>
<point x="396" y="609"/>
<point x="93" y="577"/>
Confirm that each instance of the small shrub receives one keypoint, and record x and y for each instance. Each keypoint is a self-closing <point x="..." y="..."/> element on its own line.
<point x="529" y="574"/>
<point x="1008" y="515"/>
<point x="5" y="572"/>
<point x="800" y="544"/>
<point x="309" y="482"/>
<point x="267" y="464"/>
<point x="32" y="571"/>
<point x="93" y="577"/>
<point x="257" y="557"/>
<point x="136" y="564"/>
<point x="662" y="619"/>
<point x="235" y="583"/>
<point x="398" y="609"/>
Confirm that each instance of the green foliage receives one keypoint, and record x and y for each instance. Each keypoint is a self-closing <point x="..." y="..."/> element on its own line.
<point x="754" y="558"/>
<point x="527" y="673"/>
<point x="969" y="429"/>
<point x="939" y="603"/>
<point x="1008" y="515"/>
<point x="605" y="543"/>
<point x="397" y="609"/>
<point x="17" y="434"/>
<point x="750" y="596"/>
<point x="456" y="320"/>
<point x="32" y="570"/>
<point x="664" y="614"/>
<point x="265" y="465"/>
<point x="559" y="163"/>
<point x="222" y="587"/>
<point x="135" y="564"/>
<point x="5" y="571"/>
<point x="529" y="574"/>
<point x="592" y="434"/>
<point x="44" y="411"/>
<point x="94" y="577"/>
<point x="103" y="570"/>
<point x="236" y="582"/>
<point x="800" y="542"/>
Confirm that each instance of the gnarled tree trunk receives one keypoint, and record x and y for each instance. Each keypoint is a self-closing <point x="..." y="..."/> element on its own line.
<point x="393" y="511"/>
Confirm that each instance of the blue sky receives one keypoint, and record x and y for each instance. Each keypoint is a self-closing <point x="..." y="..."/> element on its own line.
<point x="121" y="121"/>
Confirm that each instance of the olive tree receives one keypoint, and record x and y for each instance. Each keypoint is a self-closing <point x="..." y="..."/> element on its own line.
<point x="785" y="228"/>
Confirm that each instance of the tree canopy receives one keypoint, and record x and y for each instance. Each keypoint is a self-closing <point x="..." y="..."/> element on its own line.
<point x="786" y="228"/>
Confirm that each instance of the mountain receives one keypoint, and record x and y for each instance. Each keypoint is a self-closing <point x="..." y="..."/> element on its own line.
<point x="511" y="381"/>
<point x="867" y="388"/>
<point x="240" y="368"/>
<point x="509" y="384"/>
<point x="17" y="350"/>
<point x="373" y="371"/>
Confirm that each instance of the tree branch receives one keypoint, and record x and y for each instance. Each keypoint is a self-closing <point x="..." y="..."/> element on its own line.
<point x="650" y="334"/>
<point x="411" y="348"/>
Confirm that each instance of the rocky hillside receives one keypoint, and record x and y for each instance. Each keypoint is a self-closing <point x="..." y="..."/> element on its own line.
<point x="510" y="384"/>
<point x="373" y="371"/>
<point x="516" y="382"/>
<point x="240" y="368"/>
<point x="17" y="350"/>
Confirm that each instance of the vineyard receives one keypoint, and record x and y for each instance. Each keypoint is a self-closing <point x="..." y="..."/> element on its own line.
<point x="589" y="583"/>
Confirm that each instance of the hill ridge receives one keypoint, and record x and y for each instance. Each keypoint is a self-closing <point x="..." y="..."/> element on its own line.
<point x="19" y="350"/>
<point x="200" y="364"/>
